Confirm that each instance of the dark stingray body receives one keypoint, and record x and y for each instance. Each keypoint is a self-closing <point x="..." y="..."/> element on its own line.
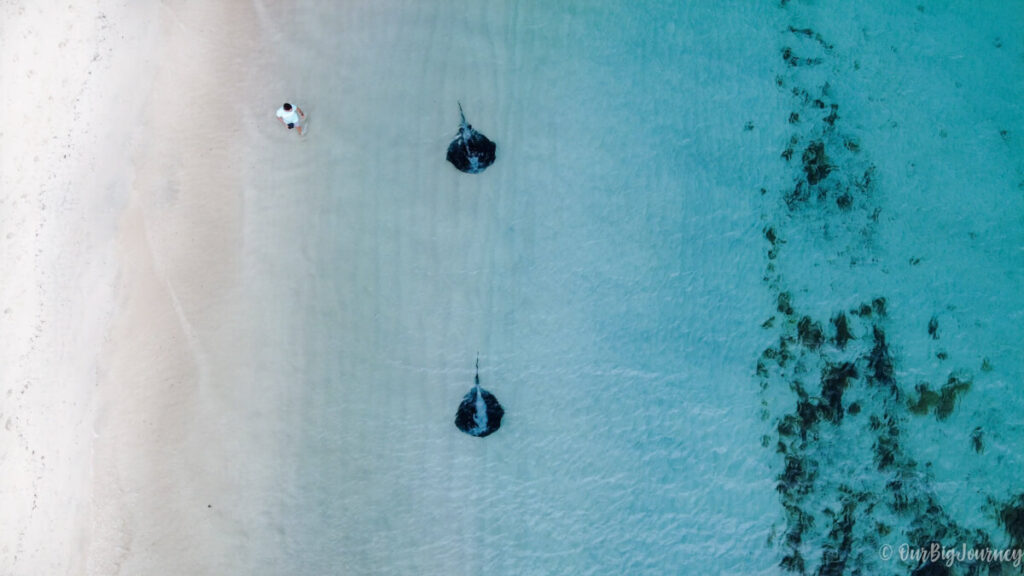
<point x="469" y="420"/>
<point x="471" y="151"/>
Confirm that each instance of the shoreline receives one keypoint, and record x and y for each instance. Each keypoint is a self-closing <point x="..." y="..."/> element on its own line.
<point x="179" y="482"/>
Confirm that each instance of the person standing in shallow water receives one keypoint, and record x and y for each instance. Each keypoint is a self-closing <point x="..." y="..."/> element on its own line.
<point x="291" y="117"/>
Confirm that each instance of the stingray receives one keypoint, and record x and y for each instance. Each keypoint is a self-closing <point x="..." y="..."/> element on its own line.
<point x="471" y="151"/>
<point x="479" y="414"/>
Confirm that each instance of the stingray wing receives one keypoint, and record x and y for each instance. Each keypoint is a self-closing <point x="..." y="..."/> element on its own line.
<point x="458" y="155"/>
<point x="465" y="417"/>
<point x="482" y="148"/>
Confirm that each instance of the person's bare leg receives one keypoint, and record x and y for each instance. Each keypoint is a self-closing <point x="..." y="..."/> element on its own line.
<point x="299" y="130"/>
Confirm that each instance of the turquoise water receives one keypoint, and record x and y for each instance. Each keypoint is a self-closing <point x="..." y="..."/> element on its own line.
<point x="614" y="272"/>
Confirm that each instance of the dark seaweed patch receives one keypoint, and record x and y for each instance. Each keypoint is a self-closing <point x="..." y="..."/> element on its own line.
<point x="808" y="413"/>
<point x="798" y="196"/>
<point x="952" y="390"/>
<point x="797" y="477"/>
<point x="842" y="327"/>
<point x="808" y="33"/>
<point x="769" y="234"/>
<point x="832" y="192"/>
<point x="794" y="60"/>
<point x="880" y="361"/>
<point x="783" y="303"/>
<point x="784" y="355"/>
<point x="840" y="542"/>
<point x="863" y="185"/>
<point x="878" y="305"/>
<point x="1011" y="518"/>
<point x="793" y="562"/>
<point x="926" y="399"/>
<point x="834" y="382"/>
<point x="887" y="445"/>
<point x="863" y="311"/>
<point x="807" y="410"/>
<point x="899" y="501"/>
<point x="942" y="402"/>
<point x="833" y="115"/>
<point x="978" y="440"/>
<point x="788" y="425"/>
<point x="844" y="201"/>
<point x="815" y="162"/>
<point x="809" y="333"/>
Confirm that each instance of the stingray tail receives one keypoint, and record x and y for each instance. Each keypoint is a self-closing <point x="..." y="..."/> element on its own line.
<point x="476" y="380"/>
<point x="462" y="117"/>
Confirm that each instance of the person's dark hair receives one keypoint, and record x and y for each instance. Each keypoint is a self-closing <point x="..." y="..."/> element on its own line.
<point x="287" y="106"/>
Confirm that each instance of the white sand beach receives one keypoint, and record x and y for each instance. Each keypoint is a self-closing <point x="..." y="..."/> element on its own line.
<point x="229" y="349"/>
<point x="122" y="213"/>
<point x="75" y="80"/>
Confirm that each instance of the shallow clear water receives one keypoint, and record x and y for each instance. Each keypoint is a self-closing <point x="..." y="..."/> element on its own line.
<point x="612" y="271"/>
